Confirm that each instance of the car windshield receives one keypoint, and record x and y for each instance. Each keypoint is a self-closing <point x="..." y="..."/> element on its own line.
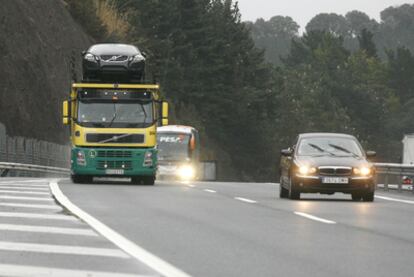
<point x="116" y="115"/>
<point x="334" y="146"/>
<point x="173" y="146"/>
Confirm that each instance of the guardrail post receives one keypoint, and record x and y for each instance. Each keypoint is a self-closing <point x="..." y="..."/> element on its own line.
<point x="400" y="181"/>
<point x="386" y="180"/>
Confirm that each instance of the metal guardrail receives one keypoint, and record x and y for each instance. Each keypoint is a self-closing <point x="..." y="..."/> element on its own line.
<point x="390" y="175"/>
<point x="6" y="167"/>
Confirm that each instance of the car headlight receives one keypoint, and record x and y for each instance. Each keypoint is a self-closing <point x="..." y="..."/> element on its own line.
<point x="137" y="58"/>
<point x="91" y="58"/>
<point x="186" y="172"/>
<point x="363" y="171"/>
<point x="306" y="170"/>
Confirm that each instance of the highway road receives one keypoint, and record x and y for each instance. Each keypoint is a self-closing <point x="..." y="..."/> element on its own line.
<point x="220" y="229"/>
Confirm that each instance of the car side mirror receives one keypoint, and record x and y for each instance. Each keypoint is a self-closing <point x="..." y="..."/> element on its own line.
<point x="287" y="152"/>
<point x="83" y="53"/>
<point x="144" y="54"/>
<point x="371" y="154"/>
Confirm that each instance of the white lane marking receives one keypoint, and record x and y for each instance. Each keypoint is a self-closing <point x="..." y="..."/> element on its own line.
<point x="394" y="199"/>
<point x="154" y="262"/>
<point x="210" y="190"/>
<point x="191" y="186"/>
<point x="48" y="229"/>
<point x="312" y="217"/>
<point x="245" y="200"/>
<point x="46" y="199"/>
<point x="24" y="192"/>
<point x="2" y="187"/>
<point x="21" y="271"/>
<point x="62" y="249"/>
<point x="31" y="206"/>
<point x="25" y="181"/>
<point x="38" y="216"/>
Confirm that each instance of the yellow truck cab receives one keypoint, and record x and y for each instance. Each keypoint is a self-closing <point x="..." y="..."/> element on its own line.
<point x="113" y="130"/>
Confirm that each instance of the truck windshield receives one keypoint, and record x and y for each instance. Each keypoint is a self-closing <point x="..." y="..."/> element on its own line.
<point x="116" y="115"/>
<point x="173" y="146"/>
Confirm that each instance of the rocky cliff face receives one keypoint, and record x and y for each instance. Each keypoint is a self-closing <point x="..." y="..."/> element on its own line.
<point x="40" y="46"/>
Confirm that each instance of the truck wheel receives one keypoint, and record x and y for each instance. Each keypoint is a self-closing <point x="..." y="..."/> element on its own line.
<point x="294" y="194"/>
<point x="283" y="193"/>
<point x="368" y="197"/>
<point x="136" y="180"/>
<point x="81" y="179"/>
<point x="149" y="180"/>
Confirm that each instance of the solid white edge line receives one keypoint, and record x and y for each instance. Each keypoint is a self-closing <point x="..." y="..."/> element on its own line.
<point x="210" y="190"/>
<point x="394" y="199"/>
<point x="11" y="270"/>
<point x="245" y="200"/>
<point x="154" y="262"/>
<point x="38" y="216"/>
<point x="48" y="229"/>
<point x="312" y="217"/>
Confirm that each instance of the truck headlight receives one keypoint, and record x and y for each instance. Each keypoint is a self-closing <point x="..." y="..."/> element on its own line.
<point x="307" y="170"/>
<point x="80" y="158"/>
<point x="186" y="172"/>
<point x="148" y="159"/>
<point x="363" y="171"/>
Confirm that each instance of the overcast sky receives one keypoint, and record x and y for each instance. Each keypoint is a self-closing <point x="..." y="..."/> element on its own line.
<point x="302" y="11"/>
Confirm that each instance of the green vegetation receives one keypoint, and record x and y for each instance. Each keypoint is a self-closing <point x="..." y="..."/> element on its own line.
<point x="247" y="110"/>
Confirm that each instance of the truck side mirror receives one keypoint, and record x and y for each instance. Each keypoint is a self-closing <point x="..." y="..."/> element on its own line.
<point x="164" y="113"/>
<point x="66" y="112"/>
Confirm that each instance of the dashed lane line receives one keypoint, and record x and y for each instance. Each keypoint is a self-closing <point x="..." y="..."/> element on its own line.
<point x="46" y="199"/>
<point x="152" y="261"/>
<point x="24" y="192"/>
<point x="210" y="190"/>
<point x="31" y="206"/>
<point x="11" y="270"/>
<point x="245" y="200"/>
<point x="38" y="216"/>
<point x="315" y="218"/>
<point x="62" y="249"/>
<point x="394" y="199"/>
<point x="48" y="229"/>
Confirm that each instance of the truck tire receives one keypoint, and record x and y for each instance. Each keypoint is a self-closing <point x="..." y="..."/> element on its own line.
<point x="136" y="180"/>
<point x="81" y="179"/>
<point x="149" y="180"/>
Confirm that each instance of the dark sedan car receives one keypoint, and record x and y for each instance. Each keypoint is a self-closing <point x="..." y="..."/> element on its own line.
<point x="113" y="62"/>
<point x="327" y="163"/>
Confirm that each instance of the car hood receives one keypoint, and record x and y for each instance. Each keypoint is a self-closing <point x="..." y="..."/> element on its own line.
<point x="317" y="161"/>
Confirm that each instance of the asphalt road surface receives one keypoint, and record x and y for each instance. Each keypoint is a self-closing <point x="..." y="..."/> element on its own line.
<point x="240" y="229"/>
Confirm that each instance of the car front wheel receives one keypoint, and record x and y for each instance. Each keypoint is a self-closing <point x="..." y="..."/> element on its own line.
<point x="294" y="194"/>
<point x="283" y="192"/>
<point x="368" y="197"/>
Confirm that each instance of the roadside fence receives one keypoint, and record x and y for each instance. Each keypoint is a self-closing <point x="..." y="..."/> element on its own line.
<point x="391" y="176"/>
<point x="32" y="153"/>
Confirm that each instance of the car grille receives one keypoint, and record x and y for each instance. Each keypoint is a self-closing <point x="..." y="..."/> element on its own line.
<point x="335" y="171"/>
<point x="115" y="138"/>
<point x="114" y="58"/>
<point x="114" y="154"/>
<point x="126" y="165"/>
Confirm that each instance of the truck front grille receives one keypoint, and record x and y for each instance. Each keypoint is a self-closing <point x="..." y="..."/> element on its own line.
<point x="114" y="154"/>
<point x="115" y="138"/>
<point x="102" y="165"/>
